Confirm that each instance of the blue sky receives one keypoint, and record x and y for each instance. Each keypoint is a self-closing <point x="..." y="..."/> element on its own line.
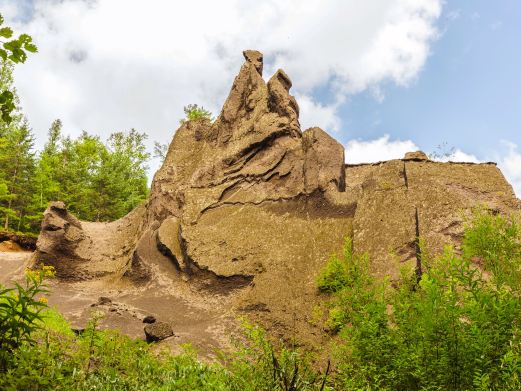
<point x="468" y="93"/>
<point x="381" y="76"/>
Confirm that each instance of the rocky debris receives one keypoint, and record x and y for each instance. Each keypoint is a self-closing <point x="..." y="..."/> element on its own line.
<point x="158" y="331"/>
<point x="24" y="242"/>
<point x="104" y="300"/>
<point x="78" y="330"/>
<point x="9" y="246"/>
<point x="149" y="319"/>
<point x="416" y="155"/>
<point x="248" y="209"/>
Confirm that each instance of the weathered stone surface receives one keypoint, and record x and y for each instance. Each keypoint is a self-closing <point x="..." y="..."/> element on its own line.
<point x="169" y="241"/>
<point x="417" y="155"/>
<point x="324" y="161"/>
<point x="149" y="319"/>
<point x="249" y="208"/>
<point x="400" y="200"/>
<point x="158" y="331"/>
<point x="85" y="250"/>
<point x="60" y="236"/>
<point x="103" y="300"/>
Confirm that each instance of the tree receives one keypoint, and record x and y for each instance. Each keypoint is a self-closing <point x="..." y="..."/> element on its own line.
<point x="98" y="181"/>
<point x="13" y="51"/>
<point x="121" y="181"/>
<point x="17" y="163"/>
<point x="48" y="167"/>
<point x="194" y="112"/>
<point x="160" y="151"/>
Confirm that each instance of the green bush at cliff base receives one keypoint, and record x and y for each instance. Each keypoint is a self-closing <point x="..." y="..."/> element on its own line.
<point x="458" y="328"/>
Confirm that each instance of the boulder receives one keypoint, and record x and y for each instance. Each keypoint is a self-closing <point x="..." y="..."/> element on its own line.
<point x="103" y="300"/>
<point x="416" y="155"/>
<point x="149" y="319"/>
<point x="157" y="331"/>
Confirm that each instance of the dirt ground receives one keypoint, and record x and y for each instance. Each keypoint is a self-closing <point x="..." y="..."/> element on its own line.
<point x="194" y="321"/>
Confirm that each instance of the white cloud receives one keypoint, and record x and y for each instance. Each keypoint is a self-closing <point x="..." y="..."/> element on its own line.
<point x="359" y="151"/>
<point x="458" y="155"/>
<point x="510" y="165"/>
<point x="313" y="113"/>
<point x="107" y="65"/>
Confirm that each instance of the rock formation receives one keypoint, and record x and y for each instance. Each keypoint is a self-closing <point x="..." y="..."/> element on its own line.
<point x="249" y="208"/>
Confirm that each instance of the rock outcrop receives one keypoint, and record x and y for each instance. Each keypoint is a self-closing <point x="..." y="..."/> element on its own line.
<point x="249" y="208"/>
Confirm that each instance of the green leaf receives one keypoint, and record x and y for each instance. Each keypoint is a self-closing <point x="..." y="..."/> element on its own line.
<point x="31" y="47"/>
<point x="24" y="38"/>
<point x="6" y="32"/>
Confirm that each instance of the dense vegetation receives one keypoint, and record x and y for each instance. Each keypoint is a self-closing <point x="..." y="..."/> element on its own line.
<point x="457" y="328"/>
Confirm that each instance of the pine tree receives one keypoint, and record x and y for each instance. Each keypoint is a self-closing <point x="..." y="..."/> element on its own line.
<point x="17" y="163"/>
<point x="49" y="163"/>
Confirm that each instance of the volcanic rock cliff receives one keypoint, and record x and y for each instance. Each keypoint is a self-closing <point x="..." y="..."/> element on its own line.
<point x="246" y="210"/>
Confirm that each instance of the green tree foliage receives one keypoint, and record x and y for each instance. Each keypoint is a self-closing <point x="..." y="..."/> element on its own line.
<point x="46" y="177"/>
<point x="458" y="328"/>
<point x="98" y="181"/>
<point x="12" y="51"/>
<point x="193" y="113"/>
<point x="17" y="163"/>
<point x="121" y="181"/>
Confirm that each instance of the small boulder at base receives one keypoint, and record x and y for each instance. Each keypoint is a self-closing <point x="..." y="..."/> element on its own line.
<point x="149" y="319"/>
<point x="102" y="300"/>
<point x="158" y="331"/>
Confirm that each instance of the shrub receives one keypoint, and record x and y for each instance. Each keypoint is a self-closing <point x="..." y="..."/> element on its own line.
<point x="193" y="113"/>
<point x="21" y="312"/>
<point x="458" y="328"/>
<point x="496" y="241"/>
<point x="107" y="360"/>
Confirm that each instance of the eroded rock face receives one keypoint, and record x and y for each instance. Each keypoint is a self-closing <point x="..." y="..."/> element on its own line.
<point x="416" y="155"/>
<point x="250" y="208"/>
<point x="60" y="237"/>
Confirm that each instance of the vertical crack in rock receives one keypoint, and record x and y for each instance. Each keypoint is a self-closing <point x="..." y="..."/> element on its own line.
<point x="418" y="269"/>
<point x="406" y="180"/>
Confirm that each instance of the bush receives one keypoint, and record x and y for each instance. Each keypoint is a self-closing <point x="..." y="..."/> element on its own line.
<point x="21" y="312"/>
<point x="193" y="113"/>
<point x="353" y="287"/>
<point x="458" y="328"/>
<point x="107" y="360"/>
